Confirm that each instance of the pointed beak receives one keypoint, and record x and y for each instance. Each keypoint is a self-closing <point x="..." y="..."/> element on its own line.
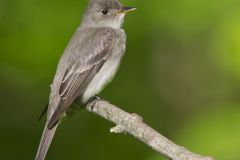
<point x="125" y="10"/>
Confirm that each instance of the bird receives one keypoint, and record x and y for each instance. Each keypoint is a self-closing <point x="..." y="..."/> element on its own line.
<point x="88" y="63"/>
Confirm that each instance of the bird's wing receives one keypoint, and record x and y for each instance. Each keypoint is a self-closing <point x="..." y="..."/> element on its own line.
<point x="78" y="75"/>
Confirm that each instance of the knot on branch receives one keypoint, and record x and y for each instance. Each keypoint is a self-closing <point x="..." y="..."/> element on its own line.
<point x="136" y="117"/>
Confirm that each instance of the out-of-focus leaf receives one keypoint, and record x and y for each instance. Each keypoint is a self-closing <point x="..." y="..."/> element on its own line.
<point x="226" y="43"/>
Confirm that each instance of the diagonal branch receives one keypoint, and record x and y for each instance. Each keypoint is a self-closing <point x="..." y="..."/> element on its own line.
<point x="133" y="124"/>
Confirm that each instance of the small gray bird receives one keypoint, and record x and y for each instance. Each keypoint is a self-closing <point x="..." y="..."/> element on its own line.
<point x="88" y="63"/>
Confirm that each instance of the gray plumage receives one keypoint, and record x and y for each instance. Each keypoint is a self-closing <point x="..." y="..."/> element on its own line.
<point x="88" y="63"/>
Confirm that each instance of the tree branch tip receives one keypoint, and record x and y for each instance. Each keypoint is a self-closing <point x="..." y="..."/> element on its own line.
<point x="118" y="129"/>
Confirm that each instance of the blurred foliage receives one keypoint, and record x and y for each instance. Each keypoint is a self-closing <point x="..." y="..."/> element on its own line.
<point x="181" y="72"/>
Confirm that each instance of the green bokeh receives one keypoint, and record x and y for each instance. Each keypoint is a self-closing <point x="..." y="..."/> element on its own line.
<point x="181" y="72"/>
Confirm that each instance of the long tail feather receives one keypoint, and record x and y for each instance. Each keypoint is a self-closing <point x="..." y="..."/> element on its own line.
<point x="45" y="142"/>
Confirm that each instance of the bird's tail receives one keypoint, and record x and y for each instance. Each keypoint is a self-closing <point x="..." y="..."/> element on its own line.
<point x="45" y="142"/>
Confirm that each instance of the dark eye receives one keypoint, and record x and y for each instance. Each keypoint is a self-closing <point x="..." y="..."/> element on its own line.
<point x="104" y="11"/>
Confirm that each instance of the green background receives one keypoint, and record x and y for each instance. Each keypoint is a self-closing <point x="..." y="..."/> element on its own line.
<point x="181" y="72"/>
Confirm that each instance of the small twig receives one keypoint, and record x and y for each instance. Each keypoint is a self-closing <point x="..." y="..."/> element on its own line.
<point x="133" y="124"/>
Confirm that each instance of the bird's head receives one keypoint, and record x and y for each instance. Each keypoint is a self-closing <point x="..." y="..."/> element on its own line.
<point x="105" y="13"/>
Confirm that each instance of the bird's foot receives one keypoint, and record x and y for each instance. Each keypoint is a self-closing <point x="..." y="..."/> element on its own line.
<point x="91" y="102"/>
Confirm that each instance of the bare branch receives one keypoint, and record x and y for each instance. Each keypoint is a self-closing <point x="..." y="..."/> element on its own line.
<point x="133" y="124"/>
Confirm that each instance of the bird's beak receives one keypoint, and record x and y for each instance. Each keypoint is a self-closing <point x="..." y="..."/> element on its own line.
<point x="125" y="10"/>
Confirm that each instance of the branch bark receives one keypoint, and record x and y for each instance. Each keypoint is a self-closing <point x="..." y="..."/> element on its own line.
<point x="133" y="124"/>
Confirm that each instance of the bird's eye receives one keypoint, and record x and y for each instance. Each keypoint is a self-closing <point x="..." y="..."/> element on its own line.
<point x="104" y="11"/>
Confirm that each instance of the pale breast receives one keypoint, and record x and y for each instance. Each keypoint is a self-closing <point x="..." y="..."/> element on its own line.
<point x="108" y="70"/>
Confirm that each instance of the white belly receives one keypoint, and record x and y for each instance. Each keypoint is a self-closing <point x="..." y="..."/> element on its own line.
<point x="103" y="77"/>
